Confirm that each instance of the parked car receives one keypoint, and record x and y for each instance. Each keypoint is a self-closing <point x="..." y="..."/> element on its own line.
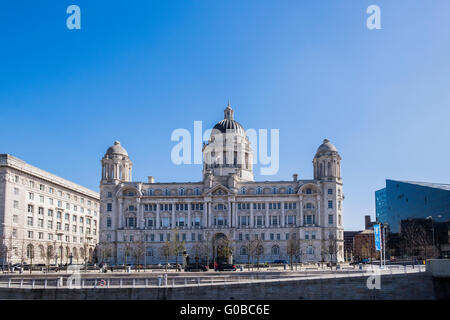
<point x="226" y="267"/>
<point x="196" y="267"/>
<point x="279" y="262"/>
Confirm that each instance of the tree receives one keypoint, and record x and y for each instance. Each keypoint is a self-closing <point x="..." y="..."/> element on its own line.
<point x="138" y="250"/>
<point x="165" y="251"/>
<point x="423" y="240"/>
<point x="42" y="254"/>
<point x="293" y="249"/>
<point x="50" y="254"/>
<point x="127" y="251"/>
<point x="207" y="247"/>
<point x="30" y="255"/>
<point x="198" y="251"/>
<point x="176" y="246"/>
<point x="106" y="251"/>
<point x="324" y="252"/>
<point x="258" y="250"/>
<point x="6" y="249"/>
<point x="333" y="247"/>
<point x="250" y="246"/>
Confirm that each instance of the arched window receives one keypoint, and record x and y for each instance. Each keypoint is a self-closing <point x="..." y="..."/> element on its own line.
<point x="308" y="191"/>
<point x="329" y="169"/>
<point x="30" y="251"/>
<point x="259" y="190"/>
<point x="290" y="190"/>
<point x="243" y="251"/>
<point x="150" y="192"/>
<point x="131" y="208"/>
<point x="243" y="190"/>
<point x="309" y="205"/>
<point x="166" y="191"/>
<point x="149" y="252"/>
<point x="310" y="250"/>
<point x="181" y="191"/>
<point x="274" y="190"/>
<point x="275" y="251"/>
<point x="197" y="191"/>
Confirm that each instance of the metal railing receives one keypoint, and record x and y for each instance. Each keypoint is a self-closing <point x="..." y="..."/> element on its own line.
<point x="165" y="280"/>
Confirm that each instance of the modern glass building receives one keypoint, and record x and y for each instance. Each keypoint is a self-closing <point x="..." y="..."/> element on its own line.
<point x="403" y="200"/>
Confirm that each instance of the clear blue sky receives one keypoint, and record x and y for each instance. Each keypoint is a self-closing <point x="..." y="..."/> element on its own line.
<point x="137" y="70"/>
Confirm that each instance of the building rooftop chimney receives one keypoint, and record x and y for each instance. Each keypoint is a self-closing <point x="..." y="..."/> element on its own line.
<point x="151" y="179"/>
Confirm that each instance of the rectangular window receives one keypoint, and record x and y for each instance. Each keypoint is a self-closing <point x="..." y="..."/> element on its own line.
<point x="16" y="204"/>
<point x="330" y="191"/>
<point x="330" y="204"/>
<point x="306" y="235"/>
<point x="330" y="219"/>
<point x="109" y="207"/>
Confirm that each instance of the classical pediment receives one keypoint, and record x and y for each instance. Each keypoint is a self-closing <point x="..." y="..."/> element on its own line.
<point x="219" y="190"/>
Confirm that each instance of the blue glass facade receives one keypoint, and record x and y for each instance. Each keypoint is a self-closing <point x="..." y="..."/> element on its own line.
<point x="402" y="200"/>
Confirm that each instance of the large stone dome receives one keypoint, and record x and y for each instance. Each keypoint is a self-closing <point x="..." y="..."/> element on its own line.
<point x="325" y="147"/>
<point x="117" y="149"/>
<point x="228" y="124"/>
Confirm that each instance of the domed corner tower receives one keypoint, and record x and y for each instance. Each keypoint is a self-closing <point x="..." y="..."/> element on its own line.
<point x="327" y="171"/>
<point x="327" y="162"/>
<point x="228" y="150"/>
<point x="116" y="165"/>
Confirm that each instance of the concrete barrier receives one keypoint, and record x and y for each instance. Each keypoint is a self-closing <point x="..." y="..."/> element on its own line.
<point x="439" y="268"/>
<point x="393" y="287"/>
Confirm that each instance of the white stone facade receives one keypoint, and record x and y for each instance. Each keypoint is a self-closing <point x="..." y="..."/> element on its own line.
<point x="226" y="202"/>
<point x="44" y="219"/>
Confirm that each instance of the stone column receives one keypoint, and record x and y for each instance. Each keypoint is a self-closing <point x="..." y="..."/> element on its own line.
<point x="235" y="224"/>
<point x="267" y="214"/>
<point x="140" y="214"/>
<point x="229" y="214"/>
<point x="189" y="216"/>
<point x="205" y="215"/>
<point x="282" y="214"/>
<point x="301" y="222"/>
<point x="157" y="216"/>
<point x="121" y="222"/>
<point x="173" y="215"/>
<point x="318" y="212"/>
<point x="251" y="215"/>
<point x="210" y="219"/>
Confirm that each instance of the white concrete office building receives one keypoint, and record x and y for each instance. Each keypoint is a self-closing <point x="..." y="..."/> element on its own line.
<point x="44" y="219"/>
